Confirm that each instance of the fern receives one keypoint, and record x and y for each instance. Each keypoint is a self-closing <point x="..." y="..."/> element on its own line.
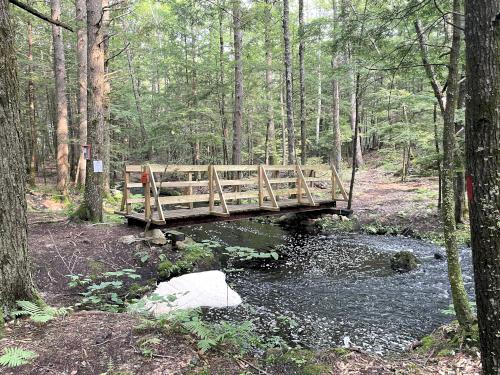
<point x="14" y="357"/>
<point x="39" y="314"/>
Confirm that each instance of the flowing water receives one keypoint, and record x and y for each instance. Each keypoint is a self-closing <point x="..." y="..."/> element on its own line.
<point x="336" y="289"/>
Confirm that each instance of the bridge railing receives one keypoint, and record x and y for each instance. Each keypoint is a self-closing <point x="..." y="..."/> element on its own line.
<point x="215" y="186"/>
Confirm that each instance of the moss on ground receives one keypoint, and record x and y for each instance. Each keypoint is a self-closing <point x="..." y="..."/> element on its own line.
<point x="191" y="255"/>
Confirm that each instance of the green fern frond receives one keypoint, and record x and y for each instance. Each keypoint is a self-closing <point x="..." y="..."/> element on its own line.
<point x="14" y="357"/>
<point x="39" y="314"/>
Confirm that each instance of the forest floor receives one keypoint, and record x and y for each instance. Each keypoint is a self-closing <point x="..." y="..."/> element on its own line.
<point x="98" y="342"/>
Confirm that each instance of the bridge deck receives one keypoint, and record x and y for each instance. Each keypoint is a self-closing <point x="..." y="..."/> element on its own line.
<point x="275" y="189"/>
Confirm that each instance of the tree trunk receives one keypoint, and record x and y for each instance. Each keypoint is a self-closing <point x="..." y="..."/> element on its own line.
<point x="15" y="275"/>
<point x="283" y="127"/>
<point x="354" y="142"/>
<point x="81" y="55"/>
<point x="92" y="205"/>
<point x="303" y="140"/>
<point x="458" y="293"/>
<point x="288" y="84"/>
<point x="107" y="109"/>
<point x="61" y="101"/>
<point x="482" y="124"/>
<point x="438" y="153"/>
<point x="354" y="120"/>
<point x="32" y="140"/>
<point x="319" y="102"/>
<point x="337" y="141"/>
<point x="238" y="83"/>
<point x="222" y="90"/>
<point x="271" y="157"/>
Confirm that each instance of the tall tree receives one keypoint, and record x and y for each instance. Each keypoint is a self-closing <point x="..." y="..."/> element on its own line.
<point x="303" y="139"/>
<point x="270" y="145"/>
<point x="15" y="276"/>
<point x="32" y="140"/>
<point x="288" y="83"/>
<point x="482" y="138"/>
<point x="61" y="100"/>
<point x="222" y="88"/>
<point x="460" y="299"/>
<point x="81" y="55"/>
<point x="91" y="208"/>
<point x="448" y="105"/>
<point x="238" y="82"/>
<point x="337" y="142"/>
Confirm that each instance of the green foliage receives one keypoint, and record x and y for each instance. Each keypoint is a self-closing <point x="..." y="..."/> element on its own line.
<point x="192" y="254"/>
<point x="103" y="293"/>
<point x="247" y="253"/>
<point x="327" y="224"/>
<point x="147" y="346"/>
<point x="14" y="357"/>
<point x="37" y="313"/>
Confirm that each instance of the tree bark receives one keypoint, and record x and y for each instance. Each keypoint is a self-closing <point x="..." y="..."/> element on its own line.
<point x="288" y="84"/>
<point x="283" y="127"/>
<point x="337" y="141"/>
<point x="354" y="120"/>
<point x="81" y="55"/>
<point x="107" y="108"/>
<point x="482" y="138"/>
<point x="15" y="274"/>
<point x="222" y="90"/>
<point x="93" y="197"/>
<point x="238" y="83"/>
<point x="32" y="140"/>
<point x="61" y="101"/>
<point x="303" y="140"/>
<point x="319" y="102"/>
<point x="458" y="293"/>
<point x="354" y="142"/>
<point x="270" y="131"/>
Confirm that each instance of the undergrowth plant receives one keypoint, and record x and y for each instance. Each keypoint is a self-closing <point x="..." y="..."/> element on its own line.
<point x="106" y="292"/>
<point x="37" y="313"/>
<point x="247" y="253"/>
<point x="14" y="357"/>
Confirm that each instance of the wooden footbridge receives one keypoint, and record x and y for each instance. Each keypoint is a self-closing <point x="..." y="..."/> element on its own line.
<point x="175" y="195"/>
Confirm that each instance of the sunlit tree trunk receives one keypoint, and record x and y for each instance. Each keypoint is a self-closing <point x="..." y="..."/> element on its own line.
<point x="482" y="138"/>
<point x="288" y="84"/>
<point x="303" y="140"/>
<point x="81" y="55"/>
<point x="270" y="129"/>
<point x="458" y="293"/>
<point x="238" y="83"/>
<point x="93" y="197"/>
<point x="222" y="89"/>
<point x="15" y="276"/>
<point x="32" y="140"/>
<point x="61" y="101"/>
<point x="337" y="141"/>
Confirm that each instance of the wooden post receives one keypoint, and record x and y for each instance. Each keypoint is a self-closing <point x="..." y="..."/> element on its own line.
<point x="190" y="190"/>
<point x="211" y="188"/>
<point x="334" y="185"/>
<point x="299" y="184"/>
<point x="260" y="185"/>
<point x="147" y="194"/>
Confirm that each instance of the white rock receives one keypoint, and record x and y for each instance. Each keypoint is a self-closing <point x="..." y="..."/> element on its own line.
<point x="199" y="289"/>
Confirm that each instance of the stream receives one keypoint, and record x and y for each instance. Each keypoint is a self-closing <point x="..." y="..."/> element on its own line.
<point x="335" y="289"/>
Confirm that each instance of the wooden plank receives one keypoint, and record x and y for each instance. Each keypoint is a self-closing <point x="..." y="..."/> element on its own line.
<point x="241" y="195"/>
<point x="184" y="184"/>
<point x="274" y="205"/>
<point x="134" y="184"/>
<point x="237" y="168"/>
<point x="280" y="167"/>
<point x="179" y="199"/>
<point x="135" y="200"/>
<point x="248" y="181"/>
<point x="147" y="195"/>
<point x="225" y="211"/>
<point x="260" y="186"/>
<point x="169" y="168"/>
<point x="211" y="189"/>
<point x="190" y="189"/>
<point x="159" y="209"/>
<point x="341" y="185"/>
<point x="304" y="186"/>
<point x="133" y="168"/>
